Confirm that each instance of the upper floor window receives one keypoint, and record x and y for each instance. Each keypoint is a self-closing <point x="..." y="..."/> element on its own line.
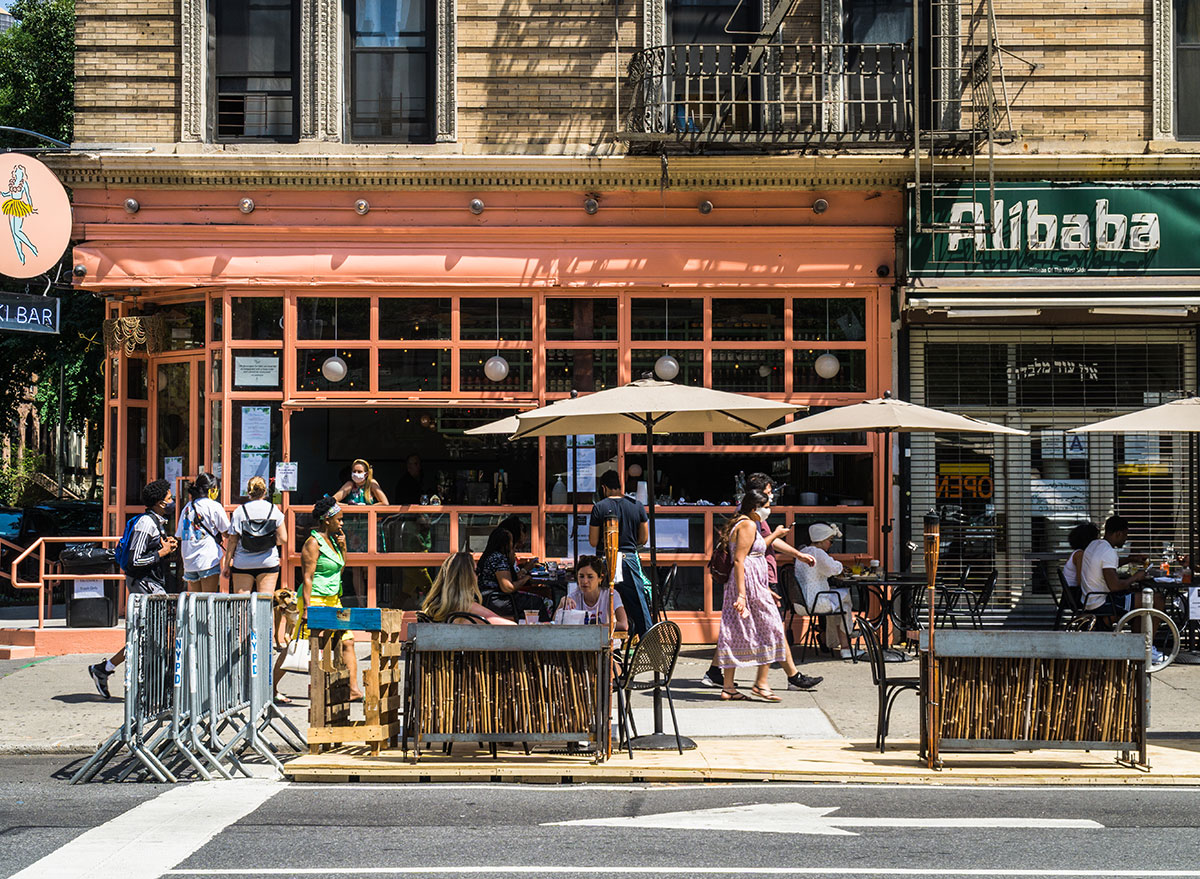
<point x="391" y="58"/>
<point x="1187" y="68"/>
<point x="255" y="61"/>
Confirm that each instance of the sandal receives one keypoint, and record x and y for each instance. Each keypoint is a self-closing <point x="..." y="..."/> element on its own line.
<point x="281" y="699"/>
<point x="734" y="695"/>
<point x="767" y="695"/>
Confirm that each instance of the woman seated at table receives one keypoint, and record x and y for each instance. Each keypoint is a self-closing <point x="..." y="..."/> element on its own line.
<point x="814" y="582"/>
<point x="456" y="590"/>
<point x="501" y="579"/>
<point x="1079" y="539"/>
<point x="589" y="596"/>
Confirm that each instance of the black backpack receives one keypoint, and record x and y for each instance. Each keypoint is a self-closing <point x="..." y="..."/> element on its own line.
<point x="258" y="535"/>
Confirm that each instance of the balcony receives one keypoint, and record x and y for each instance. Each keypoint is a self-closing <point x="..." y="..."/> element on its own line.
<point x="796" y="96"/>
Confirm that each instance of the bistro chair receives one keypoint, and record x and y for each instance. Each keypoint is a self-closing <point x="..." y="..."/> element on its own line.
<point x="798" y="607"/>
<point x="1070" y="605"/>
<point x="889" y="687"/>
<point x="1084" y="622"/>
<point x="462" y="616"/>
<point x="951" y="598"/>
<point x="668" y="590"/>
<point x="961" y="599"/>
<point x="655" y="654"/>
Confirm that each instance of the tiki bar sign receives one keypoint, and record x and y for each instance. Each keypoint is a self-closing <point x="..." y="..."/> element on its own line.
<point x="1046" y="229"/>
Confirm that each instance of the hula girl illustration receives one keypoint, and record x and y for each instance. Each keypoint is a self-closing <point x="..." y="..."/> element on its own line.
<point x="18" y="204"/>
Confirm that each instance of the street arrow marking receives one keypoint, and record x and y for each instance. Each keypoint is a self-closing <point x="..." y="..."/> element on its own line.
<point x="798" y="818"/>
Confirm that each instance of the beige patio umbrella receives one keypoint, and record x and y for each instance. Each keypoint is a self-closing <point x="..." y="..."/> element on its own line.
<point x="887" y="415"/>
<point x="652" y="407"/>
<point x="1178" y="416"/>
<point x="505" y="427"/>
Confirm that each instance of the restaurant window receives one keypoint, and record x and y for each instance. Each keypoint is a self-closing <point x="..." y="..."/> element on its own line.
<point x="256" y="318"/>
<point x="135" y="373"/>
<point x="499" y="319"/>
<point x="391" y="45"/>
<point x="256" y="440"/>
<point x="257" y="369"/>
<point x="472" y="377"/>
<point x="136" y="439"/>
<point x="1187" y="69"/>
<point x="754" y="371"/>
<point x="410" y="319"/>
<point x="829" y="320"/>
<point x="333" y="318"/>
<point x="753" y="320"/>
<point x="414" y="369"/>
<point x="581" y="319"/>
<point x="583" y="370"/>
<point x="851" y="377"/>
<point x="183" y="322"/>
<point x="309" y="376"/>
<point x="663" y="318"/>
<point x="691" y="364"/>
<point x="255" y="59"/>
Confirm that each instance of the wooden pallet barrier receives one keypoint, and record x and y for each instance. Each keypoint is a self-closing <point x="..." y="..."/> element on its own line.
<point x="329" y="711"/>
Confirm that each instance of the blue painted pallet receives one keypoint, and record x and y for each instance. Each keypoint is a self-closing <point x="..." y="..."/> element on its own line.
<point x="359" y="619"/>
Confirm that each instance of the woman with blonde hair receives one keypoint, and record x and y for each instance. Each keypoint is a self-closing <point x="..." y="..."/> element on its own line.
<point x="256" y="533"/>
<point x="456" y="590"/>
<point x="362" y="487"/>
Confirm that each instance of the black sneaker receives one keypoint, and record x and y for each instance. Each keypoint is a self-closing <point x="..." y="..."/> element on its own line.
<point x="714" y="677"/>
<point x="100" y="679"/>
<point x="801" y="681"/>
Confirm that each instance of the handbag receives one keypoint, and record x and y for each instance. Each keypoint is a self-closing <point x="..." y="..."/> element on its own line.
<point x="296" y="656"/>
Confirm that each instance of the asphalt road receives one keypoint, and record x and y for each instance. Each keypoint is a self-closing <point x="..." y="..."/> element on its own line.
<point x="265" y="828"/>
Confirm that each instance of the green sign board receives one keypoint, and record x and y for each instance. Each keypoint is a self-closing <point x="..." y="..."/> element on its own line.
<point x="1038" y="229"/>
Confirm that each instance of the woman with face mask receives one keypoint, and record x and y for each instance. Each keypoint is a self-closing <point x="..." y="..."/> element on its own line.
<point x="751" y="630"/>
<point x="362" y="487"/>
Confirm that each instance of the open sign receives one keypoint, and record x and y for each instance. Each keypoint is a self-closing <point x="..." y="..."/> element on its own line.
<point x="965" y="487"/>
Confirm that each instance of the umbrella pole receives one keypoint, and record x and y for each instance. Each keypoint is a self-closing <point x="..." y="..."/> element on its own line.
<point x="658" y="740"/>
<point x="575" y="498"/>
<point x="885" y="526"/>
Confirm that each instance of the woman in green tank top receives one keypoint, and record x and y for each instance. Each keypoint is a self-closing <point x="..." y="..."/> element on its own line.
<point x="322" y="559"/>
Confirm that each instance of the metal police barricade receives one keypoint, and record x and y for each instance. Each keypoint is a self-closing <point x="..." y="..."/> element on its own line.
<point x="150" y="628"/>
<point x="198" y="688"/>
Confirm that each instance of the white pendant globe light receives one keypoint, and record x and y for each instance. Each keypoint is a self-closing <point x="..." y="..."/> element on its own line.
<point x="666" y="368"/>
<point x="496" y="368"/>
<point x="334" y="369"/>
<point x="827" y="365"/>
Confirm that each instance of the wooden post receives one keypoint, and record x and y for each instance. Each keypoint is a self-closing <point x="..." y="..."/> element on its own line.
<point x="932" y="696"/>
<point x="612" y="558"/>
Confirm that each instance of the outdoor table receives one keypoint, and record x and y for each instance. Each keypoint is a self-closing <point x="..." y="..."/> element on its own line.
<point x="886" y="590"/>
<point x="510" y="684"/>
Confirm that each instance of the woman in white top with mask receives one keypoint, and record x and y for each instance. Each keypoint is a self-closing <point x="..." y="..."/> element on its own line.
<point x="257" y="533"/>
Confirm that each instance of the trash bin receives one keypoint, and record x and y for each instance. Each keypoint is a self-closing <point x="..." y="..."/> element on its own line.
<point x="89" y="603"/>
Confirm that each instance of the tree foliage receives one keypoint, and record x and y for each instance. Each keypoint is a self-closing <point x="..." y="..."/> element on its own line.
<point x="37" y="70"/>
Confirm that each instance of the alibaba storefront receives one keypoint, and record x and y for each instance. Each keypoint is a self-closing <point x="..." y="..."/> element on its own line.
<point x="308" y="332"/>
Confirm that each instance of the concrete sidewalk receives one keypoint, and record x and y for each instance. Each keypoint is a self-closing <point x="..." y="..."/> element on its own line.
<point x="51" y="706"/>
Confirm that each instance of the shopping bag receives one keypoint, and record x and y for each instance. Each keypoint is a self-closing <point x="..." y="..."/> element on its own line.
<point x="296" y="656"/>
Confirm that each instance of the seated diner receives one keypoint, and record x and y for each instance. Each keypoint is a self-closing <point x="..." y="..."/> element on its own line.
<point x="501" y="579"/>
<point x="589" y="595"/>
<point x="1106" y="593"/>
<point x="455" y="590"/>
<point x="820" y="596"/>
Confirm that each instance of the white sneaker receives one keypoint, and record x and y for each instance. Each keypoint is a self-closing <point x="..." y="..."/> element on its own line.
<point x="1157" y="657"/>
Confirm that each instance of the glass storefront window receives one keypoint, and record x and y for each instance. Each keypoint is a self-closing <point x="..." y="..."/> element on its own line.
<point x="597" y="455"/>
<point x="114" y="378"/>
<point x="310" y="360"/>
<point x="757" y="320"/>
<point x="406" y="319"/>
<point x="174" y="416"/>
<point x="217" y="386"/>
<point x="256" y="441"/>
<point x="520" y="370"/>
<point x="135" y="454"/>
<point x="331" y="318"/>
<point x="414" y="532"/>
<point x="135" y="378"/>
<point x="184" y="325"/>
<point x="691" y="364"/>
<point x="217" y="457"/>
<point x="403" y="588"/>
<point x="257" y="369"/>
<point x="583" y="370"/>
<point x="217" y="317"/>
<point x="851" y="377"/>
<point x="756" y="371"/>
<point x="475" y="528"/>
<point x="256" y="317"/>
<point x="414" y="369"/>
<point x="829" y="320"/>
<point x="660" y="318"/>
<point x="480" y="318"/>
<point x="581" y="319"/>
<point x="111" y="475"/>
<point x="688" y="590"/>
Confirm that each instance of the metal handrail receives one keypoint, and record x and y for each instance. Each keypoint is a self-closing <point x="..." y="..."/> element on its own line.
<point x="787" y="93"/>
<point x="45" y="575"/>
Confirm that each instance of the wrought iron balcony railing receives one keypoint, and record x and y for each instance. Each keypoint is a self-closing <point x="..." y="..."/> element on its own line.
<point x="795" y="95"/>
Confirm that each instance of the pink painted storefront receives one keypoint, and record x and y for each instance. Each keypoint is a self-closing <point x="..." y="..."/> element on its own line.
<point x="414" y="290"/>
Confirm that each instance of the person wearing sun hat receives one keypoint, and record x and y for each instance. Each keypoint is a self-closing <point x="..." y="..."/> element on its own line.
<point x="814" y="583"/>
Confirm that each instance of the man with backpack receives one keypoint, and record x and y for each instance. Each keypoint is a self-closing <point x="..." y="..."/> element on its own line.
<point x="142" y="554"/>
<point x="721" y="563"/>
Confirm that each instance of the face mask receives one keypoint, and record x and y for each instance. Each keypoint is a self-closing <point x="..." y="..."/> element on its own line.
<point x="214" y="493"/>
<point x="169" y="512"/>
<point x="764" y="513"/>
<point x="360" y="478"/>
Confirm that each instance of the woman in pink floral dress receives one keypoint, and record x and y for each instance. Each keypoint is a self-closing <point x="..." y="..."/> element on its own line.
<point x="751" y="630"/>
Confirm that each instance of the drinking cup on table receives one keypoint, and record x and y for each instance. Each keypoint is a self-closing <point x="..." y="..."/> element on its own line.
<point x="531" y="617"/>
<point x="875" y="566"/>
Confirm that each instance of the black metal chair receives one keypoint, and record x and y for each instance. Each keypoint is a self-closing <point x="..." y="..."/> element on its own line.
<point x="798" y="607"/>
<point x="1069" y="601"/>
<point x="966" y="600"/>
<point x="667" y="590"/>
<point x="1084" y="622"/>
<point x="655" y="654"/>
<point x="889" y="686"/>
<point x="463" y="616"/>
<point x="950" y="599"/>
